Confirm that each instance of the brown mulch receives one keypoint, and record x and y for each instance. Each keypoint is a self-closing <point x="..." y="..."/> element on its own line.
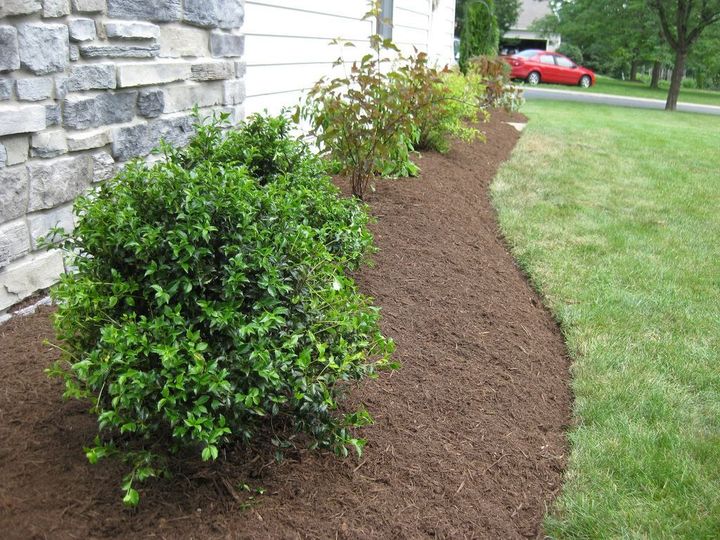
<point x="469" y="434"/>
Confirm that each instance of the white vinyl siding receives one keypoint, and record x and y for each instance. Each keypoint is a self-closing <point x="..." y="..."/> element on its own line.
<point x="287" y="42"/>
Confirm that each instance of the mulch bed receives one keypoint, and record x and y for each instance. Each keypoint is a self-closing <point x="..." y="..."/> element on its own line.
<point x="469" y="434"/>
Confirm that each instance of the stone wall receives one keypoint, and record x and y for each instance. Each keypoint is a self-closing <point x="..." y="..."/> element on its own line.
<point x="86" y="85"/>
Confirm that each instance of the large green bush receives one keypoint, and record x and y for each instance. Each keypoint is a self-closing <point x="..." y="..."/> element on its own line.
<point x="210" y="301"/>
<point x="480" y="33"/>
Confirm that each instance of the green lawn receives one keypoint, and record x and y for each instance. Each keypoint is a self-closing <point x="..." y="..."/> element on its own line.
<point x="606" y="85"/>
<point x="615" y="216"/>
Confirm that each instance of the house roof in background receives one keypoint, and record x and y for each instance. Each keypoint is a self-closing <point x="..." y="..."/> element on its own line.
<point x="530" y="11"/>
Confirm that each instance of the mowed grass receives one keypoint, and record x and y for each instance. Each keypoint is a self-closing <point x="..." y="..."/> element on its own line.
<point x="615" y="216"/>
<point x="607" y="85"/>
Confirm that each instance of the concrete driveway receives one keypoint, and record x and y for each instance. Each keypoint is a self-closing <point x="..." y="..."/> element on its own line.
<point x="533" y="93"/>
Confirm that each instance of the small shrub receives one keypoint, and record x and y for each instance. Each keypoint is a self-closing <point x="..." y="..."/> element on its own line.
<point x="211" y="302"/>
<point x="442" y="105"/>
<point x="493" y="74"/>
<point x="360" y="120"/>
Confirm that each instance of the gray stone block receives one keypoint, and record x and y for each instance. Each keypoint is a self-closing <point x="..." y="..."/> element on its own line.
<point x="144" y="73"/>
<point x="91" y="77"/>
<point x="44" y="48"/>
<point x="103" y="166"/>
<point x="159" y="10"/>
<point x="88" y="6"/>
<point x="82" y="112"/>
<point x="82" y="29"/>
<point x="140" y="139"/>
<point x="40" y="223"/>
<point x="120" y="51"/>
<point x="215" y="13"/>
<point x="234" y="92"/>
<point x="28" y="275"/>
<point x="14" y="241"/>
<point x="57" y="181"/>
<point x="3" y="156"/>
<point x="6" y="86"/>
<point x="85" y="140"/>
<point x="151" y="103"/>
<point x="19" y="7"/>
<point x="180" y="40"/>
<point x="53" y="115"/>
<point x="21" y="119"/>
<point x="55" y="8"/>
<point x="35" y="88"/>
<point x="181" y="97"/>
<point x="13" y="193"/>
<point x="132" y="30"/>
<point x="224" y="45"/>
<point x="212" y="71"/>
<point x="74" y="53"/>
<point x="17" y="149"/>
<point x="240" y="69"/>
<point x="9" y="54"/>
<point x="48" y="144"/>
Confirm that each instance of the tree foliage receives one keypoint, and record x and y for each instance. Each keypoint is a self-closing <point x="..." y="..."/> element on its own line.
<point x="506" y="11"/>
<point x="612" y="35"/>
<point x="682" y="23"/>
<point x="480" y="33"/>
<point x="615" y="36"/>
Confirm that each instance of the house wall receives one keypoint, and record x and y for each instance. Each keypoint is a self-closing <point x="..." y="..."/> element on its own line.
<point x="287" y="42"/>
<point x="86" y="85"/>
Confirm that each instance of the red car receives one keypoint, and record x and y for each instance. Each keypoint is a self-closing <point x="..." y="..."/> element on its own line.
<point x="535" y="66"/>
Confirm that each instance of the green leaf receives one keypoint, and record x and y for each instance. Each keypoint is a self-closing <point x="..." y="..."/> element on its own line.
<point x="131" y="498"/>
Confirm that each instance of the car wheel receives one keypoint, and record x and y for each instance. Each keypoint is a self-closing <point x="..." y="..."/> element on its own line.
<point x="585" y="81"/>
<point x="534" y="78"/>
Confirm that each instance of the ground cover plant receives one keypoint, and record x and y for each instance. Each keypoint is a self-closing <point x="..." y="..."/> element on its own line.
<point x="210" y="302"/>
<point x="608" y="85"/>
<point x="613" y="214"/>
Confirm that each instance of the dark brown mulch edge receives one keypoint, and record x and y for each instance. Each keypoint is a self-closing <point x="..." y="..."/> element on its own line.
<point x="468" y="439"/>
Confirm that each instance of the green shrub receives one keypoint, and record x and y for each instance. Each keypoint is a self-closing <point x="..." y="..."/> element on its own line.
<point x="496" y="88"/>
<point x="480" y="33"/>
<point x="361" y="121"/>
<point x="211" y="302"/>
<point x="573" y="52"/>
<point x="442" y="105"/>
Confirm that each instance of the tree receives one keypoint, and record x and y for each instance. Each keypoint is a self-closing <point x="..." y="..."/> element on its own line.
<point x="480" y="33"/>
<point x="682" y="23"/>
<point x="506" y="11"/>
<point x="615" y="36"/>
<point x="704" y="60"/>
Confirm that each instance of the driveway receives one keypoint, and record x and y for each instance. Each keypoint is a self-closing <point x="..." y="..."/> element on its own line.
<point x="532" y="93"/>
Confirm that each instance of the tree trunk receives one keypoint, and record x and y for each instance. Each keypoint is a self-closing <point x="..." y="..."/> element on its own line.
<point x="655" y="81"/>
<point x="676" y="80"/>
<point x="634" y="70"/>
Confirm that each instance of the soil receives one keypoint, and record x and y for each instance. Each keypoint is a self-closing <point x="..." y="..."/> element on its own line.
<point x="469" y="435"/>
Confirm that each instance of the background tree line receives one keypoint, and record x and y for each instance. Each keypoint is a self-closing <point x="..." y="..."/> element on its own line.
<point x="619" y="37"/>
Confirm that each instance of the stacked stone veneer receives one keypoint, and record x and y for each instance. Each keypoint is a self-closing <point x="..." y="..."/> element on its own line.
<point x="86" y="85"/>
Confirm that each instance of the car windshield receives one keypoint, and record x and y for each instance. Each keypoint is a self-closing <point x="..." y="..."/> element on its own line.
<point x="527" y="54"/>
